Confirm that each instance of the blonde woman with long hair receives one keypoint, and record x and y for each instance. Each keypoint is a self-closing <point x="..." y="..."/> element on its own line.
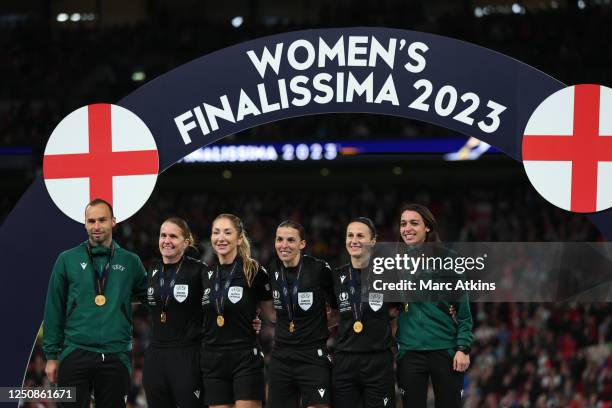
<point x="232" y="363"/>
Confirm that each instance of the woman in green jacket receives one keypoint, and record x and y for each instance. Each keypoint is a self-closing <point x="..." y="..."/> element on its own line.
<point x="433" y="338"/>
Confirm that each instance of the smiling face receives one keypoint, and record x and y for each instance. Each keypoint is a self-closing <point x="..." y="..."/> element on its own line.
<point x="288" y="245"/>
<point x="412" y="228"/>
<point x="359" y="240"/>
<point x="99" y="224"/>
<point x="224" y="239"/>
<point x="172" y="243"/>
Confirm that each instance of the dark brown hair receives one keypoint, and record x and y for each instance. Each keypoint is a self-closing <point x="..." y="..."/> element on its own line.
<point x="428" y="219"/>
<point x="295" y="225"/>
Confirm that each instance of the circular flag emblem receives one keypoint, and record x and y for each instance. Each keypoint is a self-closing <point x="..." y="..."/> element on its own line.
<point x="567" y="148"/>
<point x="100" y="151"/>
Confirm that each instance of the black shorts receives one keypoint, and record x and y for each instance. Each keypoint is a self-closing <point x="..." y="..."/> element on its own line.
<point x="299" y="375"/>
<point x="232" y="375"/>
<point x="171" y="377"/>
<point x="363" y="379"/>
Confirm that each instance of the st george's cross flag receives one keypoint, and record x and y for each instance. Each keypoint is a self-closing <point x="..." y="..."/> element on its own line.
<point x="567" y="148"/>
<point x="100" y="151"/>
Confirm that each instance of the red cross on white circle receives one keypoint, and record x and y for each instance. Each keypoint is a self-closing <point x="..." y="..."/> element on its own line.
<point x="100" y="151"/>
<point x="567" y="148"/>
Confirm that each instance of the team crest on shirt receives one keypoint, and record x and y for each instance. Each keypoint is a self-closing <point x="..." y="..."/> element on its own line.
<point x="235" y="294"/>
<point x="376" y="301"/>
<point x="305" y="300"/>
<point x="181" y="292"/>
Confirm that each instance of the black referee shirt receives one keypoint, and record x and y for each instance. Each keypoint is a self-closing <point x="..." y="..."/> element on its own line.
<point x="239" y="307"/>
<point x="376" y="334"/>
<point x="315" y="290"/>
<point x="183" y="306"/>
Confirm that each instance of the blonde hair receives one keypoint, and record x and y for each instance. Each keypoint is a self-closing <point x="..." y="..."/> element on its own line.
<point x="249" y="265"/>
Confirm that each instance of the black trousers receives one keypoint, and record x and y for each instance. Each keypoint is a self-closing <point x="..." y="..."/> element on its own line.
<point x="172" y="378"/>
<point x="102" y="375"/>
<point x="414" y="370"/>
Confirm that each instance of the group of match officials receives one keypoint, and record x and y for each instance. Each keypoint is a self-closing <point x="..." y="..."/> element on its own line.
<point x="205" y="319"/>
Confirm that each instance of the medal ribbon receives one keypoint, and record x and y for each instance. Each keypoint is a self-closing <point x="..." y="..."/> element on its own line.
<point x="100" y="278"/>
<point x="167" y="290"/>
<point x="290" y="295"/>
<point x="355" y="298"/>
<point x="219" y="294"/>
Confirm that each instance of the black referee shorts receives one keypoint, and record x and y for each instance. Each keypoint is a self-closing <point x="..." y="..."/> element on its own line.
<point x="232" y="375"/>
<point x="171" y="377"/>
<point x="413" y="372"/>
<point x="299" y="375"/>
<point x="363" y="380"/>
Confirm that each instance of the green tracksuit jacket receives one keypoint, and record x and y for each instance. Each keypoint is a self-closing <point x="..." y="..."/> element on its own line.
<point x="72" y="319"/>
<point x="428" y="325"/>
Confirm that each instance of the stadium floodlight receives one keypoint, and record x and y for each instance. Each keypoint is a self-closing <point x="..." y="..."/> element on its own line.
<point x="516" y="8"/>
<point x="62" y="17"/>
<point x="75" y="17"/>
<point x="138" y="76"/>
<point x="478" y="12"/>
<point x="237" y="21"/>
<point x="581" y="4"/>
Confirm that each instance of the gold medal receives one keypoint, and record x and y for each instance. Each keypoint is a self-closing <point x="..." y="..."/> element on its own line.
<point x="220" y="320"/>
<point x="100" y="300"/>
<point x="291" y="327"/>
<point x="163" y="317"/>
<point x="357" y="326"/>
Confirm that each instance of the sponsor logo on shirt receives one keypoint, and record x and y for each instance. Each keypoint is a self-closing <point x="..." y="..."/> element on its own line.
<point x="206" y="297"/>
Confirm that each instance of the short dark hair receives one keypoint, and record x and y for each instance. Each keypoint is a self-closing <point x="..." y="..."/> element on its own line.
<point x="295" y="225"/>
<point x="97" y="201"/>
<point x="367" y="222"/>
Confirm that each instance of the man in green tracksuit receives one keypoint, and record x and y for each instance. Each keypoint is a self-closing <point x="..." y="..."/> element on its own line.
<point x="87" y="329"/>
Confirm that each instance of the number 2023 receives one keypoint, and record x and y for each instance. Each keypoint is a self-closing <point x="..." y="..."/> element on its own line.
<point x="446" y="102"/>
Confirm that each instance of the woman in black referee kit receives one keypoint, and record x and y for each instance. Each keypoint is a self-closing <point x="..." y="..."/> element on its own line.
<point x="171" y="374"/>
<point x="363" y="363"/>
<point x="300" y="369"/>
<point x="433" y="338"/>
<point x="232" y="365"/>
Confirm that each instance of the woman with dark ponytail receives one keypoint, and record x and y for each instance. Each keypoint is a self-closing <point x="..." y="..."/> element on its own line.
<point x="362" y="372"/>
<point x="232" y="364"/>
<point x="172" y="375"/>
